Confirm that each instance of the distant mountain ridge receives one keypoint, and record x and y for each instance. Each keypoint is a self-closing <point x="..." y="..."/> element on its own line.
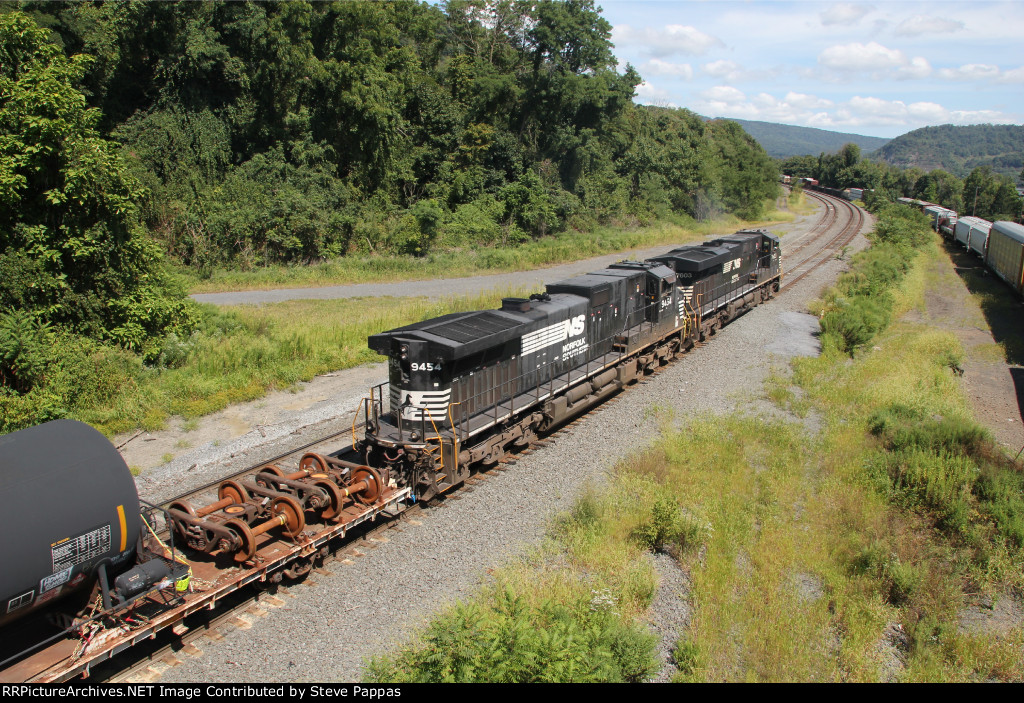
<point x="782" y="140"/>
<point x="958" y="149"/>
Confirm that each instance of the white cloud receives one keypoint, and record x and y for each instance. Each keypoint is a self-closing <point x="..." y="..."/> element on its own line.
<point x="918" y="67"/>
<point x="732" y="72"/>
<point x="729" y="70"/>
<point x="981" y="117"/>
<point x="647" y="94"/>
<point x="878" y="108"/>
<point x="1013" y="75"/>
<point x="724" y="94"/>
<point x="859" y="113"/>
<point x="861" y="57"/>
<point x="970" y="72"/>
<point x="930" y="113"/>
<point x="801" y="101"/>
<point x="927" y="24"/>
<point x="658" y="67"/>
<point x="844" y="13"/>
<point x="671" y="40"/>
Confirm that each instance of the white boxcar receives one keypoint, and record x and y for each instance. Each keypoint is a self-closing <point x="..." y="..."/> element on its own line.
<point x="975" y="234"/>
<point x="1006" y="253"/>
<point x="962" y="233"/>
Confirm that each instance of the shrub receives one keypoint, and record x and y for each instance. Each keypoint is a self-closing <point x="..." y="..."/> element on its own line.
<point x="513" y="641"/>
<point x="24" y="350"/>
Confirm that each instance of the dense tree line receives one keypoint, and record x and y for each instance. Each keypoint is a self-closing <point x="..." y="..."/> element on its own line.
<point x="983" y="192"/>
<point x="296" y="131"/>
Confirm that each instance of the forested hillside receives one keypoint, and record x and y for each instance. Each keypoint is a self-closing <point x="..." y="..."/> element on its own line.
<point x="234" y="135"/>
<point x="959" y="150"/>
<point x="295" y="131"/>
<point x="783" y="140"/>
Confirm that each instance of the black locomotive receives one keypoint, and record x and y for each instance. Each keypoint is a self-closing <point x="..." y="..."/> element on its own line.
<point x="465" y="387"/>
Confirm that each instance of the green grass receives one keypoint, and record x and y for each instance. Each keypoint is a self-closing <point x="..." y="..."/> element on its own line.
<point x="242" y="353"/>
<point x="547" y="251"/>
<point x="569" y="612"/>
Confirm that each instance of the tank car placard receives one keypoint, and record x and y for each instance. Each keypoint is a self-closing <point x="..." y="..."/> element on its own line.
<point x="20" y="601"/>
<point x="77" y="550"/>
<point x="58" y="579"/>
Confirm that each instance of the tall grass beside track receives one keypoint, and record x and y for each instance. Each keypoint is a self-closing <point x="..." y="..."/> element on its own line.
<point x="240" y="354"/>
<point x="841" y="544"/>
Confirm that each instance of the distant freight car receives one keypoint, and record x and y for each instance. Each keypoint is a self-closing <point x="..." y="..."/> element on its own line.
<point x="1006" y="253"/>
<point x="941" y="218"/>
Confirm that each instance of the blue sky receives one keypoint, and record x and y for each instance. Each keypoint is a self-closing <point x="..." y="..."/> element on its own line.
<point x="879" y="68"/>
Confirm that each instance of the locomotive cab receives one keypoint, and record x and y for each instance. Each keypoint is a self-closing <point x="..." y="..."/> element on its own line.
<point x="417" y="384"/>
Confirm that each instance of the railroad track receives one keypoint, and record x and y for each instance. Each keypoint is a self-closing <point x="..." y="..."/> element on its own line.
<point x="808" y="261"/>
<point x="146" y="662"/>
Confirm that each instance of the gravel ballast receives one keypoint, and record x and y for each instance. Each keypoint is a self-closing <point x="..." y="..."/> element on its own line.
<point x="324" y="630"/>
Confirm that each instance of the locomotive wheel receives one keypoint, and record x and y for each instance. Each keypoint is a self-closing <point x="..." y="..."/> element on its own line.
<point x="374" y="487"/>
<point x="245" y="537"/>
<point x="183" y="507"/>
<point x="271" y="469"/>
<point x="234" y="491"/>
<point x="295" y="519"/>
<point x="313" y="463"/>
<point x="334" y="493"/>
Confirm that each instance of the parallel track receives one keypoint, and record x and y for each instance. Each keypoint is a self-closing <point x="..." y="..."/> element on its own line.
<point x="145" y="663"/>
<point x="808" y="261"/>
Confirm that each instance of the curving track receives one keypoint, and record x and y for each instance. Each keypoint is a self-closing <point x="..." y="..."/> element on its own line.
<point x="837" y="225"/>
<point x="840" y="223"/>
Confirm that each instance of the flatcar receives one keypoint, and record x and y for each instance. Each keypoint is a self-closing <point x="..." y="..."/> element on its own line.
<point x="464" y="387"/>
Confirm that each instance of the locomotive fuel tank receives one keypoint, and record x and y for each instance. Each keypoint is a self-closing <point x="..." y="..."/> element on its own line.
<point x="70" y="505"/>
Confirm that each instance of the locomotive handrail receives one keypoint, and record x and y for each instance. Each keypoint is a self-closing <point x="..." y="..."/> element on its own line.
<point x="455" y="436"/>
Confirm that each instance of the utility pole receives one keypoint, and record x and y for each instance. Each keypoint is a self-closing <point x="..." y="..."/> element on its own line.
<point x="975" y="210"/>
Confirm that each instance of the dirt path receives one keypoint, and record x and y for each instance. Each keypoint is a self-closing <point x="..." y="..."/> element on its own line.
<point x="988" y="379"/>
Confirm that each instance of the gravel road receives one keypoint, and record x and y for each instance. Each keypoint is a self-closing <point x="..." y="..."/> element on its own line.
<point x="326" y="627"/>
<point x="469" y="285"/>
